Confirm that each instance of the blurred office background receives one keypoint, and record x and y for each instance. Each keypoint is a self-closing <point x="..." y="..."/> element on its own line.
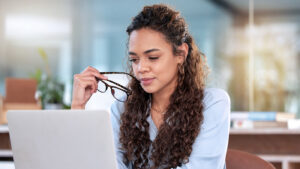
<point x="77" y="33"/>
<point x="252" y="48"/>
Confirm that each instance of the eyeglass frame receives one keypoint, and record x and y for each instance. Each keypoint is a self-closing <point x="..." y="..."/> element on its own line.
<point x="118" y="86"/>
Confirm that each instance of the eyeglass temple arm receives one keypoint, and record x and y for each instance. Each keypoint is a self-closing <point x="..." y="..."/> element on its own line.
<point x="119" y="86"/>
<point x="119" y="73"/>
<point x="124" y="88"/>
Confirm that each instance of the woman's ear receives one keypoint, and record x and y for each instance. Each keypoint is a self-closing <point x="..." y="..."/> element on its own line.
<point x="184" y="49"/>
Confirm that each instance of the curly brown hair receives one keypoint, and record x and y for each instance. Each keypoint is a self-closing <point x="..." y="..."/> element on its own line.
<point x="173" y="143"/>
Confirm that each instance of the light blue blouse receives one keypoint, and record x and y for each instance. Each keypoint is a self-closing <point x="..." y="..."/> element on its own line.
<point x="210" y="146"/>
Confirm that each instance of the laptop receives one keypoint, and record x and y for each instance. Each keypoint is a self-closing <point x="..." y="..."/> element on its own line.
<point x="61" y="139"/>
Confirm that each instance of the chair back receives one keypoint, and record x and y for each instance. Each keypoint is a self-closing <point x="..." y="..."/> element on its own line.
<point x="236" y="159"/>
<point x="20" y="90"/>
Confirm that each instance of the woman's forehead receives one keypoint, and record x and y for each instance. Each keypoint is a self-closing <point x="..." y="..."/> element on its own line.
<point x="144" y="39"/>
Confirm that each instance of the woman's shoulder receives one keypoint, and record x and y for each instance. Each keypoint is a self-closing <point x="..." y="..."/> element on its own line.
<point x="215" y="94"/>
<point x="214" y="98"/>
<point x="212" y="140"/>
<point x="216" y="106"/>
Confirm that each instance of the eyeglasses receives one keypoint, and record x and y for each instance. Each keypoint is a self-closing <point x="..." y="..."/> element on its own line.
<point x="119" y="91"/>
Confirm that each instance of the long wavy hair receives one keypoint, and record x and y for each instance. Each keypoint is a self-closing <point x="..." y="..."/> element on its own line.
<point x="184" y="116"/>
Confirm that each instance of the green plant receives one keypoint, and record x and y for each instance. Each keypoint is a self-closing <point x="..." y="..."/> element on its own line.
<point x="49" y="89"/>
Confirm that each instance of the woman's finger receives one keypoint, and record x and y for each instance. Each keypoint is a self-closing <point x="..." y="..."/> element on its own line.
<point x="91" y="80"/>
<point x="88" y="82"/>
<point x="94" y="72"/>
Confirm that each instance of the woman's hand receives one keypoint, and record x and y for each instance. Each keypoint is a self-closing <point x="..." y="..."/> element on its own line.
<point x="84" y="85"/>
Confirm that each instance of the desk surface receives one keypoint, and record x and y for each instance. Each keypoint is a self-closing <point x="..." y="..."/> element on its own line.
<point x="4" y="129"/>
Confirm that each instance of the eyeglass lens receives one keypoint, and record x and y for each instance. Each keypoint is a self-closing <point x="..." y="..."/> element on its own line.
<point x="117" y="93"/>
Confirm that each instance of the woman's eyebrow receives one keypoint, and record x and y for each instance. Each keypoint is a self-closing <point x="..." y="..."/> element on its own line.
<point x="132" y="53"/>
<point x="151" y="50"/>
<point x="147" y="51"/>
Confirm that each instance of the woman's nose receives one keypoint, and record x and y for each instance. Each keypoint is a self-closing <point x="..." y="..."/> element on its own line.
<point x="143" y="66"/>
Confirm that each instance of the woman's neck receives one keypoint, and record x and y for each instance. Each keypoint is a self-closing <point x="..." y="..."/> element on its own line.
<point x="161" y="100"/>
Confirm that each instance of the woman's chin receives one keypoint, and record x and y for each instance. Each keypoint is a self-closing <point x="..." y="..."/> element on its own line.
<point x="148" y="89"/>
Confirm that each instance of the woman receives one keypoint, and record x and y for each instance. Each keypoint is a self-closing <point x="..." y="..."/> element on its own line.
<point x="170" y="120"/>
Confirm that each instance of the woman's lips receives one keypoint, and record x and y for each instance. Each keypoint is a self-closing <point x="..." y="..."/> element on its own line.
<point x="146" y="81"/>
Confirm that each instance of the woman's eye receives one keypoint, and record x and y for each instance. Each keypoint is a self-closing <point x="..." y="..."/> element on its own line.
<point x="153" y="57"/>
<point x="133" y="60"/>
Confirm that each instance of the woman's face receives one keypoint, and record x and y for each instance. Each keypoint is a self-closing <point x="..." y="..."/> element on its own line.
<point x="153" y="61"/>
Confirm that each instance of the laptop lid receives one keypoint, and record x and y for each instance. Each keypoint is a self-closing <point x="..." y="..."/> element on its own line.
<point x="61" y="139"/>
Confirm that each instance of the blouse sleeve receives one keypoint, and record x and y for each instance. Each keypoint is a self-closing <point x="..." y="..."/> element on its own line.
<point x="115" y="113"/>
<point x="210" y="146"/>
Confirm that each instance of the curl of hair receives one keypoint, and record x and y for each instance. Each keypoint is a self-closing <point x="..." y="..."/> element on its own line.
<point x="173" y="144"/>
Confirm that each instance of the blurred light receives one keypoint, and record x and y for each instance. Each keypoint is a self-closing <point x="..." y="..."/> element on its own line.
<point x="17" y="27"/>
<point x="250" y="30"/>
